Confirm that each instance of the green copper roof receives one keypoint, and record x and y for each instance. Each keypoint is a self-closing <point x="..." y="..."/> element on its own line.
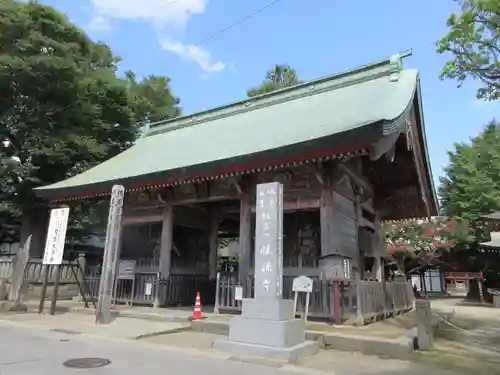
<point x="372" y="94"/>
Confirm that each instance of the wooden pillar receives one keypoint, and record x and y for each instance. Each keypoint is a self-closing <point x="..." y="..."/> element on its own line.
<point x="358" y="271"/>
<point x="382" y="269"/>
<point x="378" y="265"/>
<point x="213" y="239"/>
<point x="377" y="268"/>
<point x="81" y="261"/>
<point x="245" y="235"/>
<point x="326" y="213"/>
<point x="167" y="228"/>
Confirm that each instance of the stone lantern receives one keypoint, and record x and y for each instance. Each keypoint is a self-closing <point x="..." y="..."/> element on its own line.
<point x="493" y="245"/>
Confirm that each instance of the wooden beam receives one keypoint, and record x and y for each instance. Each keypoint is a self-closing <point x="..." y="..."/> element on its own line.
<point x="185" y="217"/>
<point x="368" y="207"/>
<point x="292" y="205"/>
<point x="236" y="183"/>
<point x="367" y="224"/>
<point x="210" y="198"/>
<point x="317" y="171"/>
<point x="142" y="219"/>
<point x="337" y="174"/>
<point x="356" y="179"/>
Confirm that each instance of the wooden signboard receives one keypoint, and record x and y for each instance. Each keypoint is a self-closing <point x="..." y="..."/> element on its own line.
<point x="302" y="284"/>
<point x="346" y="228"/>
<point x="126" y="269"/>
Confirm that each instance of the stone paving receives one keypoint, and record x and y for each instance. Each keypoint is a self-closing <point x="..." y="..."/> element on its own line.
<point x="329" y="361"/>
<point x="473" y="349"/>
<point x="24" y="350"/>
<point x="472" y="344"/>
<point x="121" y="328"/>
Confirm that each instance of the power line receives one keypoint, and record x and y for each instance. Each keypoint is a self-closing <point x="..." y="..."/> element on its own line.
<point x="238" y="22"/>
<point x="228" y="27"/>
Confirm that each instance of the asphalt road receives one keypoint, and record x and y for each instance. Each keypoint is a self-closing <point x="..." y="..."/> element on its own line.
<point x="28" y="351"/>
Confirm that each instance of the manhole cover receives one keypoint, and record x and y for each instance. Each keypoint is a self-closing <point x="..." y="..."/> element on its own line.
<point x="86" y="362"/>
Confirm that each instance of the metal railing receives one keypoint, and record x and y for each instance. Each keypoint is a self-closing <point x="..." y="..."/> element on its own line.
<point x="178" y="290"/>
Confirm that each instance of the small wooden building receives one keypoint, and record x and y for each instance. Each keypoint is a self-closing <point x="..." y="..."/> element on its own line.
<point x="350" y="150"/>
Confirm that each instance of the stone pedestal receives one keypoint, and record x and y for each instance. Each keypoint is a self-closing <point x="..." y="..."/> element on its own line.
<point x="496" y="301"/>
<point x="268" y="329"/>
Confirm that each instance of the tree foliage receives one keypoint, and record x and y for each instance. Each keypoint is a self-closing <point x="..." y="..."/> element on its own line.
<point x="63" y="108"/>
<point x="279" y="77"/>
<point x="416" y="243"/>
<point x="151" y="98"/>
<point x="471" y="183"/>
<point x="473" y="40"/>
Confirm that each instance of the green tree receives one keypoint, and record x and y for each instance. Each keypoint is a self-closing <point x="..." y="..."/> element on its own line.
<point x="471" y="183"/>
<point x="152" y="98"/>
<point x="62" y="108"/>
<point x="473" y="40"/>
<point x="277" y="78"/>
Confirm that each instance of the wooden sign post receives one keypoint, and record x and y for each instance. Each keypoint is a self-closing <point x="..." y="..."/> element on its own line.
<point x="126" y="271"/>
<point x="53" y="255"/>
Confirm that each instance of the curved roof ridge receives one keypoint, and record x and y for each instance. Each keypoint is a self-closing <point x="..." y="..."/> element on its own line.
<point x="334" y="81"/>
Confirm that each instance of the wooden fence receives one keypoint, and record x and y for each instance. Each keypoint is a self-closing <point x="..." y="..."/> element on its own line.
<point x="34" y="271"/>
<point x="377" y="299"/>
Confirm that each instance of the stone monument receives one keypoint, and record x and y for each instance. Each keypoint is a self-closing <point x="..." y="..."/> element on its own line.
<point x="267" y="326"/>
<point x="109" y="264"/>
<point x="17" y="282"/>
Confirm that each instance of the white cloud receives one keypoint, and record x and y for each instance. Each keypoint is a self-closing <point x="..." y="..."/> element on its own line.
<point x="161" y="13"/>
<point x="99" y="23"/>
<point x="194" y="53"/>
<point x="166" y="16"/>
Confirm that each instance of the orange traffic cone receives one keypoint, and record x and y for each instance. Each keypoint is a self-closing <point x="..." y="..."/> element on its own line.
<point x="197" y="313"/>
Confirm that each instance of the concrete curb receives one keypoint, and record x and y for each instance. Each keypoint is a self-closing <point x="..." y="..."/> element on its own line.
<point x="400" y="348"/>
<point x="32" y="307"/>
<point x="164" y="332"/>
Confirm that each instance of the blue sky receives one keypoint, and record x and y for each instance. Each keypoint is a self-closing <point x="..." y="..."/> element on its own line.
<point x="317" y="38"/>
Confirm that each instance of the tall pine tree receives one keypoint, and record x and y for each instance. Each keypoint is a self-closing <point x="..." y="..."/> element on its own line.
<point x="279" y="77"/>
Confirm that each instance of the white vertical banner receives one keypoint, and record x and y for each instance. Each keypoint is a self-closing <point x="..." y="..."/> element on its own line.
<point x="56" y="236"/>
